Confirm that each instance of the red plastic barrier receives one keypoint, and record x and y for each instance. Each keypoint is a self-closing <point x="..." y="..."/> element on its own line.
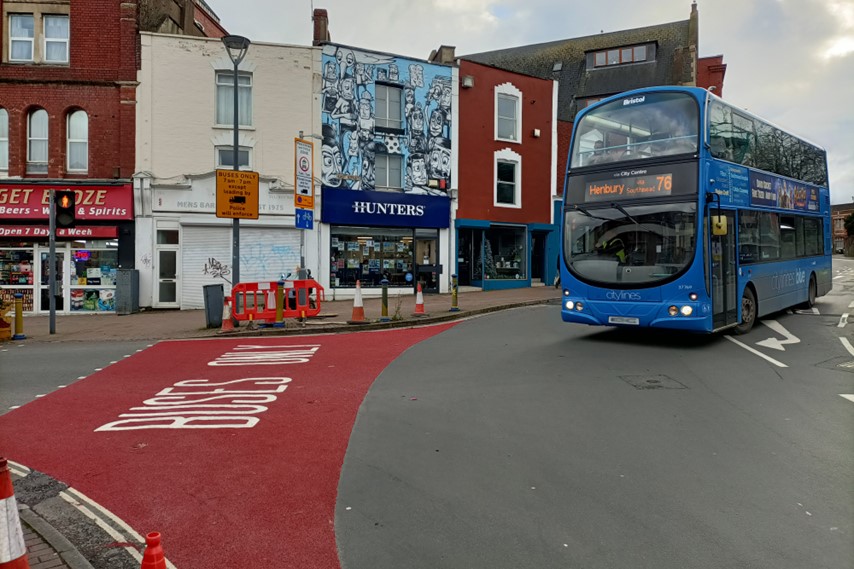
<point x="257" y="301"/>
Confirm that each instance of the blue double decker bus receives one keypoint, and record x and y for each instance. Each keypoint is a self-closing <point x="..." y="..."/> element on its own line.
<point x="684" y="212"/>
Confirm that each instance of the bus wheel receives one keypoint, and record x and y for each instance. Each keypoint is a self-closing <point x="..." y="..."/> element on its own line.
<point x="812" y="292"/>
<point x="748" y="311"/>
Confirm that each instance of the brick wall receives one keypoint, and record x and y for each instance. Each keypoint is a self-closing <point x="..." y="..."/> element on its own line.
<point x="100" y="79"/>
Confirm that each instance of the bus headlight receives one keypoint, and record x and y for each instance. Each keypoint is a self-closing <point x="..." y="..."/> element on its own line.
<point x="565" y="292"/>
<point x="569" y="305"/>
<point x="673" y="311"/>
<point x="686" y="310"/>
<point x="693" y="296"/>
<point x="579" y="307"/>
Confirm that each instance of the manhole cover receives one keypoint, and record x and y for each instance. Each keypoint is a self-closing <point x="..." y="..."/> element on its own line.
<point x="652" y="382"/>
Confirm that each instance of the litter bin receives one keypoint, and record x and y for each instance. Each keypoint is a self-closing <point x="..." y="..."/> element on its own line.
<point x="214" y="300"/>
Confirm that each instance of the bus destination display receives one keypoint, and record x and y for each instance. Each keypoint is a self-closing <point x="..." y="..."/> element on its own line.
<point x="653" y="185"/>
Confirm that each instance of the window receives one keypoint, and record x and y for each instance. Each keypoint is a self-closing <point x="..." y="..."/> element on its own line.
<point x="389" y="111"/>
<point x="508" y="113"/>
<point x="21" y="32"/>
<point x="56" y="39"/>
<point x="225" y="98"/>
<point x="508" y="175"/>
<point x="37" y="142"/>
<point x="78" y="142"/>
<point x="619" y="56"/>
<point x="369" y="255"/>
<point x="507" y="117"/>
<point x="765" y="236"/>
<point x="225" y="157"/>
<point x="505" y="190"/>
<point x="4" y="140"/>
<point x="388" y="171"/>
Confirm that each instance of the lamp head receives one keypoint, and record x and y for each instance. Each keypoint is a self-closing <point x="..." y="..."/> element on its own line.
<point x="237" y="47"/>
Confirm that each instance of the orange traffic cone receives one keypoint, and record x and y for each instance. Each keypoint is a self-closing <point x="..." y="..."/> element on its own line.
<point x="358" y="308"/>
<point x="419" y="303"/>
<point x="13" y="550"/>
<point x="153" y="558"/>
<point x="227" y="324"/>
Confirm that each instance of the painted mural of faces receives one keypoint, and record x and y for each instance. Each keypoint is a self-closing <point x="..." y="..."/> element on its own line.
<point x="393" y="72"/>
<point x="416" y="75"/>
<point x="437" y="122"/>
<point x="333" y="161"/>
<point x="348" y="88"/>
<point x="329" y="71"/>
<point x="417" y="119"/>
<point x="440" y="158"/>
<point x="418" y="170"/>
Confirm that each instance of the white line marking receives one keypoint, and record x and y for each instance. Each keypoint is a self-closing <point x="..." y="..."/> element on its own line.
<point x="15" y="407"/>
<point x="843" y="320"/>
<point x="757" y="352"/>
<point x="851" y="305"/>
<point x="847" y="345"/>
<point x="848" y="396"/>
<point x="115" y="362"/>
<point x="103" y="525"/>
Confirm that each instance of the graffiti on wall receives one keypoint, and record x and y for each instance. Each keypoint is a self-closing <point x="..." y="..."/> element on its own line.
<point x="385" y="116"/>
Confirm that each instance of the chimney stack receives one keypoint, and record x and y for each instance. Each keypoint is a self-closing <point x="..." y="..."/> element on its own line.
<point x="321" y="26"/>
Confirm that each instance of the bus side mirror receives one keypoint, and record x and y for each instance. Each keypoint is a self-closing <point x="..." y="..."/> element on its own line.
<point x="719" y="225"/>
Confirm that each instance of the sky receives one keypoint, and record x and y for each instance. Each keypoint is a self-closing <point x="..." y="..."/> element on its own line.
<point x="788" y="61"/>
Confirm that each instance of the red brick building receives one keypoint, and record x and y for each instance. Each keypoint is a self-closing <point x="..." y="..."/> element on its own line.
<point x="68" y="78"/>
<point x="507" y="144"/>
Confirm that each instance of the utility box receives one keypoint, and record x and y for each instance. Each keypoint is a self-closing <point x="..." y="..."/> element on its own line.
<point x="214" y="302"/>
<point x="127" y="291"/>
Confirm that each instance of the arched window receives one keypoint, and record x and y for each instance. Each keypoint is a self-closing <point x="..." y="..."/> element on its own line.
<point x="37" y="142"/>
<point x="4" y="140"/>
<point x="78" y="142"/>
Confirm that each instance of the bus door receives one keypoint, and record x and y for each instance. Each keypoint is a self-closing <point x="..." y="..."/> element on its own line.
<point x="723" y="269"/>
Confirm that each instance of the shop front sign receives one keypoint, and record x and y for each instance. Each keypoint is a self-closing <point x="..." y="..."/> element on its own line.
<point x="384" y="209"/>
<point x="94" y="202"/>
<point x="36" y="231"/>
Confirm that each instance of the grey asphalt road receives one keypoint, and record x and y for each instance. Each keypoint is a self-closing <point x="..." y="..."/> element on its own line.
<point x="28" y="370"/>
<point x="517" y="441"/>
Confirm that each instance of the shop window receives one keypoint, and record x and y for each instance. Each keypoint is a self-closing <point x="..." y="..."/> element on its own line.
<point x="37" y="142"/>
<point x="504" y="254"/>
<point x="78" y="142"/>
<point x="389" y="110"/>
<point x="508" y="113"/>
<point x="508" y="175"/>
<point x="388" y="171"/>
<point x="369" y="255"/>
<point x="93" y="279"/>
<point x="4" y="140"/>
<point x="225" y="98"/>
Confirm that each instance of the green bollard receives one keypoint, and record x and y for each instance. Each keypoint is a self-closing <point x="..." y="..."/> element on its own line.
<point x="384" y="317"/>
<point x="454" y="293"/>
<point x="19" y="317"/>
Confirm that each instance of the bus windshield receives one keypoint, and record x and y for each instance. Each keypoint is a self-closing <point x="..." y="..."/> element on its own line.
<point x="631" y="245"/>
<point x="636" y="128"/>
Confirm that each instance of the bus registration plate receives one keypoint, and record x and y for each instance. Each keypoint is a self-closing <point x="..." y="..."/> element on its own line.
<point x="623" y="320"/>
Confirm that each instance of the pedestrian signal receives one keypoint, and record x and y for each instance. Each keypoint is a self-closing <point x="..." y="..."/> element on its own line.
<point x="64" y="202"/>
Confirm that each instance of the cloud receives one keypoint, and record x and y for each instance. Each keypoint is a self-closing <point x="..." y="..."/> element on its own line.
<point x="789" y="61"/>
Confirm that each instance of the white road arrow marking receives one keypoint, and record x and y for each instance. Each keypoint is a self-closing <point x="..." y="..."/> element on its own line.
<point x="848" y="396"/>
<point x="774" y="343"/>
<point x="843" y="321"/>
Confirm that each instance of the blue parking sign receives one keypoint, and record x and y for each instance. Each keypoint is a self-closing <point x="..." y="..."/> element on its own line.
<point x="304" y="219"/>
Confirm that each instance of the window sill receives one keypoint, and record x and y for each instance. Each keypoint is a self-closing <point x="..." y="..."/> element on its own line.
<point x="231" y="127"/>
<point x="508" y="205"/>
<point x="511" y="140"/>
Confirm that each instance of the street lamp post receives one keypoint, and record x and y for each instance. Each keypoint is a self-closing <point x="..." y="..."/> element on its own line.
<point x="237" y="46"/>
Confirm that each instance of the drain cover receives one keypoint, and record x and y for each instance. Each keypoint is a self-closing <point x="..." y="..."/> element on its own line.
<point x="652" y="382"/>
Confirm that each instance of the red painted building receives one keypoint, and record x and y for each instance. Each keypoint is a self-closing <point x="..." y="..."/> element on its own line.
<point x="506" y="183"/>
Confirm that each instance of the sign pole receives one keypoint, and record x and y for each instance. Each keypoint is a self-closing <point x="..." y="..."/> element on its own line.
<point x="51" y="283"/>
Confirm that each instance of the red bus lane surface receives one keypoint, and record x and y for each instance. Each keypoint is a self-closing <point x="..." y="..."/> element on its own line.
<point x="230" y="448"/>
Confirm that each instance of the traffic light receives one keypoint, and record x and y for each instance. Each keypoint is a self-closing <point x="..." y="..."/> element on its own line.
<point x="65" y="210"/>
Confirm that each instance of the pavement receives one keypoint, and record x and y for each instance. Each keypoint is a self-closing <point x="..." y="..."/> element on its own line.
<point x="48" y="547"/>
